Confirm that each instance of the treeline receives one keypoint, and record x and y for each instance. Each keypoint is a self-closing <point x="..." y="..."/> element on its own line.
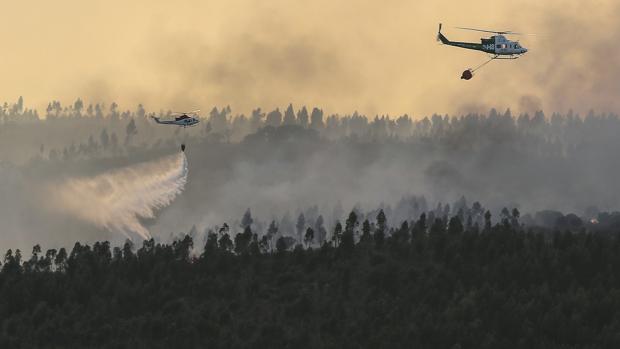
<point x="106" y="129"/>
<point x="439" y="283"/>
<point x="311" y="228"/>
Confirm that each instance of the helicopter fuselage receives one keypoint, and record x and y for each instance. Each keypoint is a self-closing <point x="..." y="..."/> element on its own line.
<point x="496" y="45"/>
<point x="183" y="120"/>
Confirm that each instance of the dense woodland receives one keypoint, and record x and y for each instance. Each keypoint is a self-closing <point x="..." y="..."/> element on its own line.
<point x="299" y="160"/>
<point x="414" y="264"/>
<point x="104" y="129"/>
<point x="442" y="284"/>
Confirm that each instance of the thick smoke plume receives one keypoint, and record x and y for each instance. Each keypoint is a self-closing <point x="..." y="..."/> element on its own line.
<point x="117" y="200"/>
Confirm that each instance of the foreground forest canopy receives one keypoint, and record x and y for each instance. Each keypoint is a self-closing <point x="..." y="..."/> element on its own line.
<point x="440" y="283"/>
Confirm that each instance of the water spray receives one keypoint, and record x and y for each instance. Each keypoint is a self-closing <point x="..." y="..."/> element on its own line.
<point x="117" y="200"/>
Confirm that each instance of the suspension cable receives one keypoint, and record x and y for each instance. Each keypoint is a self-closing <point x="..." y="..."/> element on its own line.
<point x="483" y="64"/>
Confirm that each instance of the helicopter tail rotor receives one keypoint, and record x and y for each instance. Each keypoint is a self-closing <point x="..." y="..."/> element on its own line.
<point x="441" y="37"/>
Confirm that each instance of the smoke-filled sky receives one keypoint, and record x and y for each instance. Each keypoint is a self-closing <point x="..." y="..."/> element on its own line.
<point x="370" y="56"/>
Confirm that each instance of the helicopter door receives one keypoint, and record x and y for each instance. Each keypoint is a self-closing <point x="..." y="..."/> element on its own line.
<point x="502" y="48"/>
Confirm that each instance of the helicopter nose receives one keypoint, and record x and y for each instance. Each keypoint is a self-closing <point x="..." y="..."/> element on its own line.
<point x="524" y="50"/>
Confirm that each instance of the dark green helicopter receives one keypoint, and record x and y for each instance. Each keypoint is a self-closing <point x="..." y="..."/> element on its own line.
<point x="497" y="45"/>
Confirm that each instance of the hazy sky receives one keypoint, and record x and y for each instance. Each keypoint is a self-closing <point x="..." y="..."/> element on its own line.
<point x="371" y="56"/>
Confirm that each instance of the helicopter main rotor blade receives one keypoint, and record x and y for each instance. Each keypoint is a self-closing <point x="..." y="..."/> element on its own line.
<point x="515" y="33"/>
<point x="186" y="112"/>
<point x="486" y="31"/>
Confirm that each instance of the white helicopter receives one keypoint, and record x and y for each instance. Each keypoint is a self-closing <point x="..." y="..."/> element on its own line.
<point x="184" y="119"/>
<point x="497" y="46"/>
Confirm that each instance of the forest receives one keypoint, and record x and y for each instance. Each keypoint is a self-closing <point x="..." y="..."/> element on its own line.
<point x="297" y="160"/>
<point x="299" y="228"/>
<point x="424" y="283"/>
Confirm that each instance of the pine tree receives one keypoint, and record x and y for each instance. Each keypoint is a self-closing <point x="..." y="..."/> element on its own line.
<point x="366" y="237"/>
<point x="289" y="116"/>
<point x="337" y="236"/>
<point x="247" y="220"/>
<point x="309" y="236"/>
<point x="300" y="226"/>
<point x="379" y="236"/>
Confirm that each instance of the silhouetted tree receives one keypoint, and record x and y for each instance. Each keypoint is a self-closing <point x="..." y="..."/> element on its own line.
<point x="366" y="233"/>
<point x="379" y="236"/>
<point x="514" y="220"/>
<point x="316" y="118"/>
<point x="211" y="244"/>
<point x="130" y="131"/>
<point x="272" y="231"/>
<point x="309" y="237"/>
<point x="225" y="242"/>
<point x="300" y="226"/>
<point x="401" y="236"/>
<point x="242" y="240"/>
<point x="274" y="118"/>
<point x="60" y="261"/>
<point x="320" y="229"/>
<point x="281" y="245"/>
<point x="487" y="221"/>
<point x="302" y="117"/>
<point x="505" y="217"/>
<point x="337" y="236"/>
<point x="289" y="116"/>
<point x="246" y="220"/>
<point x="455" y="226"/>
<point x="256" y="120"/>
<point x="264" y="244"/>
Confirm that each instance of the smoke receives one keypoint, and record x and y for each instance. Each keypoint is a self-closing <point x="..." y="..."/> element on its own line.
<point x="530" y="104"/>
<point x="568" y="66"/>
<point x="119" y="199"/>
<point x="376" y="59"/>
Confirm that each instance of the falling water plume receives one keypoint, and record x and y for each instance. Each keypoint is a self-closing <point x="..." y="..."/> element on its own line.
<point x="117" y="200"/>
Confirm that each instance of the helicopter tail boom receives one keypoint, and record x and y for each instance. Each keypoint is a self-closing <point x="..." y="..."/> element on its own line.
<point x="466" y="45"/>
<point x="157" y="120"/>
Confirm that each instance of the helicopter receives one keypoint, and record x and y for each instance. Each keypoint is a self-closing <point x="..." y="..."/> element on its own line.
<point x="183" y="119"/>
<point x="498" y="46"/>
